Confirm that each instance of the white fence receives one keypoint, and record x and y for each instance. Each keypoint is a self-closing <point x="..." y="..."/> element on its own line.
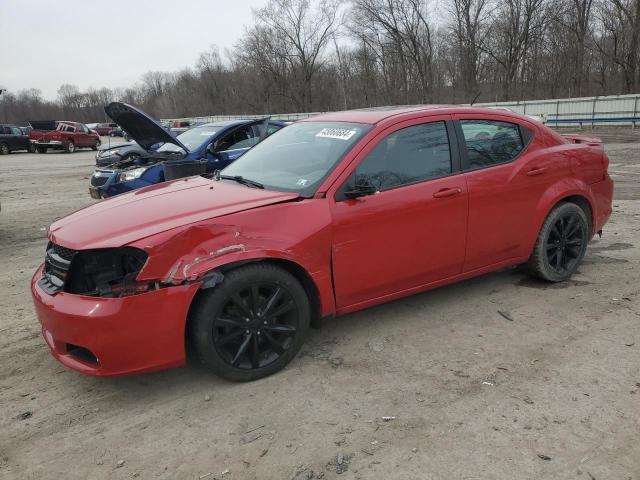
<point x="608" y="110"/>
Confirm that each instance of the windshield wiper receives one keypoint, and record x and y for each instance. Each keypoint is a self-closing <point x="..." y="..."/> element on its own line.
<point x="237" y="178"/>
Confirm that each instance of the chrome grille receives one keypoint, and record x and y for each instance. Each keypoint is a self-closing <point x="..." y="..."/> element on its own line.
<point x="57" y="264"/>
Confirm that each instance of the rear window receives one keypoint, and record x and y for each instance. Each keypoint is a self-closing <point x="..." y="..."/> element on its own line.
<point x="491" y="142"/>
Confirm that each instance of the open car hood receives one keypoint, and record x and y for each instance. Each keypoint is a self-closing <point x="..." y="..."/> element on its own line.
<point x="141" y="127"/>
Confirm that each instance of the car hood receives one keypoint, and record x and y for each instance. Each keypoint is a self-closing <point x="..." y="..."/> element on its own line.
<point x="141" y="127"/>
<point x="138" y="214"/>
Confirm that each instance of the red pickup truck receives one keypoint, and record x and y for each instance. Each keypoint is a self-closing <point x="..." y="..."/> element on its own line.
<point x="62" y="135"/>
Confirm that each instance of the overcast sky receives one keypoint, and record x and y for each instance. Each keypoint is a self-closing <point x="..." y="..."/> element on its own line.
<point x="111" y="43"/>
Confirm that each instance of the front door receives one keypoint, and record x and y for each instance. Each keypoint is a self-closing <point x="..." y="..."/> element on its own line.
<point x="85" y="139"/>
<point x="20" y="140"/>
<point x="412" y="231"/>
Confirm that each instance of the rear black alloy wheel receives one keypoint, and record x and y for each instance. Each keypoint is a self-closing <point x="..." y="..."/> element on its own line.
<point x="564" y="243"/>
<point x="4" y="149"/>
<point x="561" y="244"/>
<point x="252" y="324"/>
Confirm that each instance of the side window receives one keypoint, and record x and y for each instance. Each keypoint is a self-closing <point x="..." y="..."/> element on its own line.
<point x="16" y="131"/>
<point x="243" y="137"/>
<point x="84" y="128"/>
<point x="490" y="142"/>
<point x="5" y="130"/>
<point x="406" y="156"/>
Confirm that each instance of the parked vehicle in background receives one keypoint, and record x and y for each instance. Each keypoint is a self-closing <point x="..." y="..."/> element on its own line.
<point x="116" y="132"/>
<point x="122" y="152"/>
<point x="105" y="129"/>
<point x="178" y="127"/>
<point x="213" y="145"/>
<point x="62" y="135"/>
<point x="12" y="138"/>
<point x="333" y="214"/>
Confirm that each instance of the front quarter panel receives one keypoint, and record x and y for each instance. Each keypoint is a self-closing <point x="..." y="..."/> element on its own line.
<point x="298" y="232"/>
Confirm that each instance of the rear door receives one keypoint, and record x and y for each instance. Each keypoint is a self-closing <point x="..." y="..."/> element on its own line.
<point x="506" y="171"/>
<point x="5" y="136"/>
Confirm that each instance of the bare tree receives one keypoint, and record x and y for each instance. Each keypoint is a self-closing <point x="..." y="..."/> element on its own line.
<point x="469" y="26"/>
<point x="302" y="33"/>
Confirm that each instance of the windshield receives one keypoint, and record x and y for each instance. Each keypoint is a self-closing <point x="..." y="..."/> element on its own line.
<point x="299" y="157"/>
<point x="192" y="139"/>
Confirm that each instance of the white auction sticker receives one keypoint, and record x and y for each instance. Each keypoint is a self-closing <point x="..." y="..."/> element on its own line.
<point x="339" y="133"/>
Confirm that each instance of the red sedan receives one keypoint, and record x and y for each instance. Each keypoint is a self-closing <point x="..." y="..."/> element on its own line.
<point x="330" y="215"/>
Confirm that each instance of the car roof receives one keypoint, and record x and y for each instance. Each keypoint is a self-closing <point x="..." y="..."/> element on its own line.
<point x="228" y="123"/>
<point x="379" y="114"/>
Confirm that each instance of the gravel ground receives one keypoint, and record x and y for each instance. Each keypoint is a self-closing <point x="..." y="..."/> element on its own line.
<point x="438" y="385"/>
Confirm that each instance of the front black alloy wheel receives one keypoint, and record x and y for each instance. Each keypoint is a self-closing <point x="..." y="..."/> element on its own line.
<point x="561" y="244"/>
<point x="252" y="324"/>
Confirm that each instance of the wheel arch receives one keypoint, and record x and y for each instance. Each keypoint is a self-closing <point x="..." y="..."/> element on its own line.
<point x="563" y="192"/>
<point x="294" y="268"/>
<point x="583" y="202"/>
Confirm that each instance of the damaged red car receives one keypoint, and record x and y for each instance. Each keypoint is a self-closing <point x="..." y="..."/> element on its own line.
<point x="328" y="216"/>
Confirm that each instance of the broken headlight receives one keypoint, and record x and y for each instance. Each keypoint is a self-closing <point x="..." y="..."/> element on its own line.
<point x="110" y="272"/>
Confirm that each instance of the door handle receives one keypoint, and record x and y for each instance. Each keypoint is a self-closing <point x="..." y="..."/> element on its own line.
<point x="536" y="171"/>
<point x="447" y="192"/>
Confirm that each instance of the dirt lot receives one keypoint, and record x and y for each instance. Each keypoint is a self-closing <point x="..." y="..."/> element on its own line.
<point x="554" y="393"/>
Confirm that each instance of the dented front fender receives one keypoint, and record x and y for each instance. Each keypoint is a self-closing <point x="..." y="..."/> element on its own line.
<point x="188" y="253"/>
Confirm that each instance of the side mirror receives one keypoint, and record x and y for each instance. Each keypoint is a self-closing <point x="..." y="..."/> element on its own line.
<point x="360" y="189"/>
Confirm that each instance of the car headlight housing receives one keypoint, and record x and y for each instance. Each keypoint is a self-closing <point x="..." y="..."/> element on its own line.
<point x="109" y="272"/>
<point x="131" y="174"/>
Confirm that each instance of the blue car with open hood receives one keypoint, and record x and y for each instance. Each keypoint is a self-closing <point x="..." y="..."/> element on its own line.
<point x="202" y="149"/>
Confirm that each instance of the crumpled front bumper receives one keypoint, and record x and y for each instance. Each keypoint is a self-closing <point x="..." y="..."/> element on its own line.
<point x="128" y="335"/>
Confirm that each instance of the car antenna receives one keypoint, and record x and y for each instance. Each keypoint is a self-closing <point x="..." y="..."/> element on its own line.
<point x="474" y="99"/>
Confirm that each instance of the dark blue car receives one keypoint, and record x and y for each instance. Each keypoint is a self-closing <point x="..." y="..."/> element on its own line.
<point x="216" y="144"/>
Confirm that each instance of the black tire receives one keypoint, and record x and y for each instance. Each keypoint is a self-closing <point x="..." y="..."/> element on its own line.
<point x="561" y="244"/>
<point x="31" y="148"/>
<point x="69" y="147"/>
<point x="42" y="149"/>
<point x="242" y="341"/>
<point x="96" y="145"/>
<point x="4" y="149"/>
